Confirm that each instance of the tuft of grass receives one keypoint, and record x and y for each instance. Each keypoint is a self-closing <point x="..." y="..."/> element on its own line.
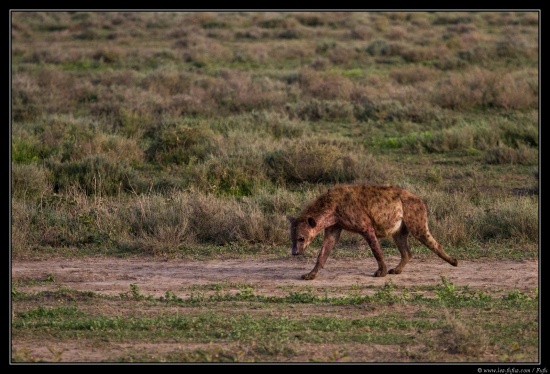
<point x="486" y="89"/>
<point x="503" y="154"/>
<point x="458" y="338"/>
<point x="313" y="162"/>
<point x="514" y="217"/>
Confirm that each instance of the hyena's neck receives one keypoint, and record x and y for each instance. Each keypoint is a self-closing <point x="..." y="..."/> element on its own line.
<point x="322" y="219"/>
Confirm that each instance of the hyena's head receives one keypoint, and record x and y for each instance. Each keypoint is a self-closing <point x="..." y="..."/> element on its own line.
<point x="302" y="232"/>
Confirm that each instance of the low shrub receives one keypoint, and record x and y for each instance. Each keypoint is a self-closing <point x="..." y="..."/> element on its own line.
<point x="94" y="174"/>
<point x="503" y="154"/>
<point x="29" y="181"/>
<point x="311" y="162"/>
<point x="179" y="143"/>
<point x="325" y="110"/>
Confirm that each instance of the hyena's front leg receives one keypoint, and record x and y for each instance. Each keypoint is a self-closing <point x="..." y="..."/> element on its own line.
<point x="332" y="234"/>
<point x="374" y="245"/>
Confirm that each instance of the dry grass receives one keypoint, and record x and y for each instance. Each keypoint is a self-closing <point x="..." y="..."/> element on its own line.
<point x="232" y="107"/>
<point x="483" y="88"/>
<point x="459" y="338"/>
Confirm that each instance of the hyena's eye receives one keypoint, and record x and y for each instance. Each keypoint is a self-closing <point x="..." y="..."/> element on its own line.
<point x="301" y="239"/>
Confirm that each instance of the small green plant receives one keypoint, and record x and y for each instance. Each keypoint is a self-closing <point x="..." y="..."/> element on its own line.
<point x="386" y="294"/>
<point x="433" y="176"/>
<point x="171" y="297"/>
<point x="135" y="291"/>
<point x="14" y="292"/>
<point x="246" y="293"/>
<point x="446" y="291"/>
<point x="516" y="296"/>
<point x="24" y="152"/>
<point x="302" y="297"/>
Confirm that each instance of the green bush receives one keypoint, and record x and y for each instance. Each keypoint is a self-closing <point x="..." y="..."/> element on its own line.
<point x="235" y="175"/>
<point x="25" y="151"/>
<point x="178" y="144"/>
<point x="518" y="133"/>
<point x="312" y="162"/>
<point x="29" y="181"/>
<point x="96" y="175"/>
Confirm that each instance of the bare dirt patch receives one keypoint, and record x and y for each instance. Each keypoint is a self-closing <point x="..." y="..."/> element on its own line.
<point x="269" y="276"/>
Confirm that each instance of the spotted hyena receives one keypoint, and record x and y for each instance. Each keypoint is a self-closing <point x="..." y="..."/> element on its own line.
<point x="372" y="211"/>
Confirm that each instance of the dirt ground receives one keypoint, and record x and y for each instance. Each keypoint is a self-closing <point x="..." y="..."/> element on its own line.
<point x="267" y="276"/>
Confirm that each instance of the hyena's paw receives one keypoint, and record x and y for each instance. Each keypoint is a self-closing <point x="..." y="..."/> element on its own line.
<point x="309" y="276"/>
<point x="380" y="273"/>
<point x="394" y="271"/>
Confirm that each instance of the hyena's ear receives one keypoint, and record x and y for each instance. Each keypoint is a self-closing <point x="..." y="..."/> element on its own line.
<point x="311" y="222"/>
<point x="290" y="219"/>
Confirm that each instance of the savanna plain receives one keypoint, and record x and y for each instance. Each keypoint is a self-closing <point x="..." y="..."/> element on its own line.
<point x="155" y="157"/>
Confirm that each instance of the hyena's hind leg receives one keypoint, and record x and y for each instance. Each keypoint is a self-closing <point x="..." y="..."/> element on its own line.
<point x="370" y="236"/>
<point x="415" y="216"/>
<point x="401" y="239"/>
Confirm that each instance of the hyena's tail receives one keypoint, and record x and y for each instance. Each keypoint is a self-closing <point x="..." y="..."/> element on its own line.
<point x="415" y="216"/>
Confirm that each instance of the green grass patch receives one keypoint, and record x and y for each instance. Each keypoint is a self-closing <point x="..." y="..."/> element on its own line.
<point x="276" y="327"/>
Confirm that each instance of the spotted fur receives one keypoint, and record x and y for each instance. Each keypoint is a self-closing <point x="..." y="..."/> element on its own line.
<point x="372" y="211"/>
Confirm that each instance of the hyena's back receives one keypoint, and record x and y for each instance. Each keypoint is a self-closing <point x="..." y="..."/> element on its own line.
<point x="391" y="208"/>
